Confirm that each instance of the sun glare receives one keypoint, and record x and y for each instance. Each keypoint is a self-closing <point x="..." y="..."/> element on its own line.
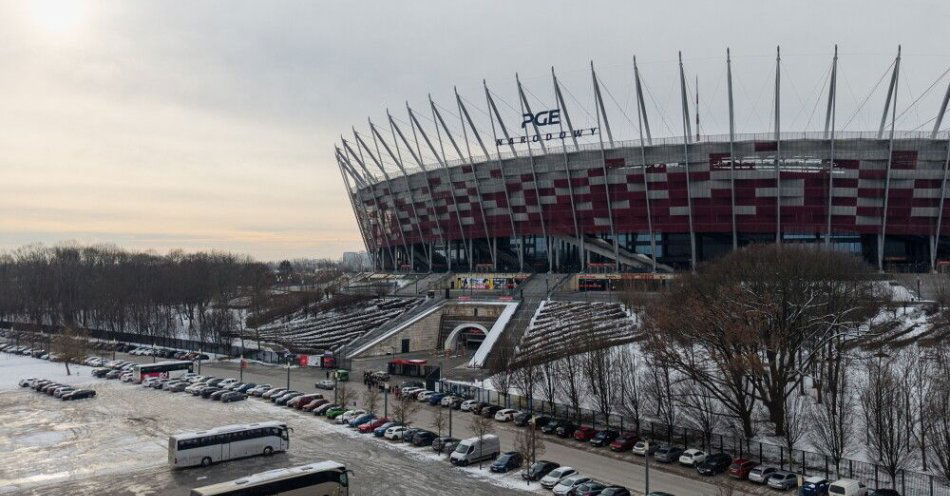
<point x="57" y="16"/>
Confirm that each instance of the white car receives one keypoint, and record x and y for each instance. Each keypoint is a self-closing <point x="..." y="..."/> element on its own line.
<point x="349" y="415"/>
<point x="467" y="405"/>
<point x="424" y="395"/>
<point x="150" y="381"/>
<point x="395" y="433"/>
<point x="506" y="415"/>
<point x="555" y="476"/>
<point x="409" y="390"/>
<point x="127" y="377"/>
<point x="227" y="383"/>
<point x="447" y="400"/>
<point x="692" y="457"/>
<point x="565" y="485"/>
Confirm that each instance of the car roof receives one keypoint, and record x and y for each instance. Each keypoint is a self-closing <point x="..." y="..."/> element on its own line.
<point x="816" y="479"/>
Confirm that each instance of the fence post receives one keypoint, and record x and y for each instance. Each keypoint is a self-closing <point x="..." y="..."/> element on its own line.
<point x="720" y="444"/>
<point x="903" y="481"/>
<point x="803" y="463"/>
<point x="851" y="469"/>
<point x="761" y="460"/>
<point x="827" y="475"/>
<point x="781" y="457"/>
<point x="931" y="485"/>
<point x="875" y="476"/>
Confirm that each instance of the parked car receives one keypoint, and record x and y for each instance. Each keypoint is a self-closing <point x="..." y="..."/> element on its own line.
<point x="409" y="434"/>
<point x="884" y="492"/>
<point x="271" y="392"/>
<point x="284" y="398"/>
<point x="467" y="405"/>
<point x="604" y="437"/>
<point x="475" y="449"/>
<point x="568" y="484"/>
<point x="564" y="428"/>
<point x="423" y="438"/>
<point x="490" y="411"/>
<point x="691" y="457"/>
<point x="372" y="425"/>
<point x="667" y="454"/>
<point x="761" y="473"/>
<point x="207" y="391"/>
<point x="381" y="430"/>
<point x="847" y="487"/>
<point x="100" y="372"/>
<point x="324" y="384"/>
<point x="216" y="396"/>
<point x="814" y="486"/>
<point x="323" y="410"/>
<point x="539" y="421"/>
<point x="585" y="433"/>
<point x="311" y="406"/>
<point x="783" y="480"/>
<point x="424" y="395"/>
<point x="615" y="491"/>
<point x="441" y="444"/>
<point x="714" y="464"/>
<point x="522" y="419"/>
<point x="231" y="396"/>
<point x="395" y="433"/>
<point x="624" y="442"/>
<point x="302" y="400"/>
<point x="506" y="414"/>
<point x="78" y="394"/>
<point x="553" y="477"/>
<point x="739" y="469"/>
<point x="477" y="407"/>
<point x="177" y="387"/>
<point x="589" y="488"/>
<point x="359" y="420"/>
<point x="436" y="399"/>
<point x="508" y="461"/>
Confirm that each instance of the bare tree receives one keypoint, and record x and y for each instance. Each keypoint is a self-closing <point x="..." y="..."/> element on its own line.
<point x="371" y="399"/>
<point x="501" y="367"/>
<point x="530" y="444"/>
<point x="885" y="401"/>
<point x="700" y="410"/>
<point x="440" y="420"/>
<point x="344" y="395"/>
<point x="598" y="368"/>
<point x="630" y="396"/>
<point x="70" y="345"/>
<point x="526" y="378"/>
<point x="938" y="409"/>
<point x="795" y="423"/>
<point x="404" y="409"/>
<point x="570" y="374"/>
<point x="481" y="427"/>
<point x="550" y="382"/>
<point x="658" y="390"/>
<point x="832" y="420"/>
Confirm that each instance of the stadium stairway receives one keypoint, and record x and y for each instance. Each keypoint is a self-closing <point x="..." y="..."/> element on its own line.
<point x="354" y="347"/>
<point x="606" y="249"/>
<point x="533" y="292"/>
<point x="429" y="281"/>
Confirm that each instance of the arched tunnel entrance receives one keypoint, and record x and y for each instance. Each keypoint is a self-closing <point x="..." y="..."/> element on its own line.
<point x="466" y="338"/>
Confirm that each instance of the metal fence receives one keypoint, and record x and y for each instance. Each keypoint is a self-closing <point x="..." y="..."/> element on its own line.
<point x="806" y="463"/>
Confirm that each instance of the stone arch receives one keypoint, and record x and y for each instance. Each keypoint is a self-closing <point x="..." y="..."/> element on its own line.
<point x="452" y="340"/>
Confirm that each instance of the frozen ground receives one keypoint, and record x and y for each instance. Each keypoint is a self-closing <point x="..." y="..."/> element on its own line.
<point x="116" y="443"/>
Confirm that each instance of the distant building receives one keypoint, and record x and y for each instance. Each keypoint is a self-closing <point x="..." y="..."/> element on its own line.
<point x="356" y="260"/>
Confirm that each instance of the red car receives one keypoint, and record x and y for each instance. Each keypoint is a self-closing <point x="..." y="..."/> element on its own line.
<point x="585" y="433"/>
<point x="309" y="407"/>
<point x="371" y="426"/>
<point x="625" y="442"/>
<point x="740" y="468"/>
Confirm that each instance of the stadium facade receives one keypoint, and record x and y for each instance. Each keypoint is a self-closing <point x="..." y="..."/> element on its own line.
<point x="547" y="196"/>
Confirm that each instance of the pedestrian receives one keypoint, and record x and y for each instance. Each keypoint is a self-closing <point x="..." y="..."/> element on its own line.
<point x="328" y="374"/>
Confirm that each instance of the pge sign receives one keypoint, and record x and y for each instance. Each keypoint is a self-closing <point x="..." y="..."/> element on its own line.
<point x="543" y="118"/>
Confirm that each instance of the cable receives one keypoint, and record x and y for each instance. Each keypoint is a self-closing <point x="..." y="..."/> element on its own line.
<point x="868" y="97"/>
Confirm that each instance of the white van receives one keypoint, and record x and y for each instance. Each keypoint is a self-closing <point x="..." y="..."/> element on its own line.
<point x="473" y="450"/>
<point x="847" y="487"/>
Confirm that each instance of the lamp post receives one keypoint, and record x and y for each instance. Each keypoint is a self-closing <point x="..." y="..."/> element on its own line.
<point x="646" y="488"/>
<point x="287" y="357"/>
<point x="385" y="399"/>
<point x="114" y="345"/>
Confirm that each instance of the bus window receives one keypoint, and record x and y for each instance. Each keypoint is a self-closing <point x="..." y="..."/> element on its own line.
<point x="283" y="434"/>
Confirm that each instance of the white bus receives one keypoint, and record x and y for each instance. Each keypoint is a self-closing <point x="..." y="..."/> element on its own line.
<point x="163" y="370"/>
<point x="228" y="442"/>
<point x="317" y="479"/>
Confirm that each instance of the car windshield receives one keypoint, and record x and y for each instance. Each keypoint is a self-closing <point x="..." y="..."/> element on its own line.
<point x="461" y="449"/>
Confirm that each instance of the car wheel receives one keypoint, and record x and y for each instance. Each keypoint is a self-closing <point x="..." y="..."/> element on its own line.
<point x="268" y="451"/>
<point x="206" y="461"/>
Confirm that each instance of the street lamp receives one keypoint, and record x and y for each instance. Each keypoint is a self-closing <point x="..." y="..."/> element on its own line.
<point x="385" y="399"/>
<point x="287" y="357"/>
<point x="646" y="488"/>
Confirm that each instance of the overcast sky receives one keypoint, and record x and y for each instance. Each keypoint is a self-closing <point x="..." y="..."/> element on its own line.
<point x="210" y="125"/>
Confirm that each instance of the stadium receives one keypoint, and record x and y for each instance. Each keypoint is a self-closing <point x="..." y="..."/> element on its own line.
<point x="439" y="191"/>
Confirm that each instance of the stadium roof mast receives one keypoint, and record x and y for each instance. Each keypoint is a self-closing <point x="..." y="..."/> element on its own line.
<point x="892" y="90"/>
<point x="732" y="151"/>
<point x="392" y="195"/>
<point x="448" y="181"/>
<point x="379" y="213"/>
<point x="943" y="109"/>
<point x="437" y="116"/>
<point x="463" y="112"/>
<point x="534" y="172"/>
<point x="778" y="145"/>
<point x="370" y="247"/>
<point x="501" y="170"/>
<point x="567" y="169"/>
<point x="425" y="173"/>
<point x="830" y="116"/>
<point x="412" y="198"/>
<point x="641" y="123"/>
<point x="599" y="104"/>
<point x="686" y="134"/>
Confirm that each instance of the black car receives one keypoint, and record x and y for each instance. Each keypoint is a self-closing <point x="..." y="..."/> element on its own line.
<point x="565" y="429"/>
<point x="522" y="419"/>
<point x="509" y="460"/>
<point x="539" y="421"/>
<point x="489" y="411"/>
<point x="101" y="372"/>
<point x="440" y="443"/>
<point x="218" y="394"/>
<point x="423" y="438"/>
<point x="884" y="492"/>
<point x="615" y="491"/>
<point x="409" y="434"/>
<point x="604" y="437"/>
<point x="551" y="426"/>
<point x="208" y="391"/>
<point x="78" y="395"/>
<point x="477" y="409"/>
<point x="714" y="464"/>
<point x="538" y="470"/>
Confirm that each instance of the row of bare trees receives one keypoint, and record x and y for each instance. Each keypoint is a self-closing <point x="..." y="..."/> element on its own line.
<point x="105" y="287"/>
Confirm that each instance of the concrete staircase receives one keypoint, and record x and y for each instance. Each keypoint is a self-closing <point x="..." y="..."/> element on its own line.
<point x="533" y="292"/>
<point x="354" y="347"/>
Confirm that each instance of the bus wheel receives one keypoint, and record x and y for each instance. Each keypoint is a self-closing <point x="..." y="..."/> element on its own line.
<point x="206" y="461"/>
<point x="268" y="451"/>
